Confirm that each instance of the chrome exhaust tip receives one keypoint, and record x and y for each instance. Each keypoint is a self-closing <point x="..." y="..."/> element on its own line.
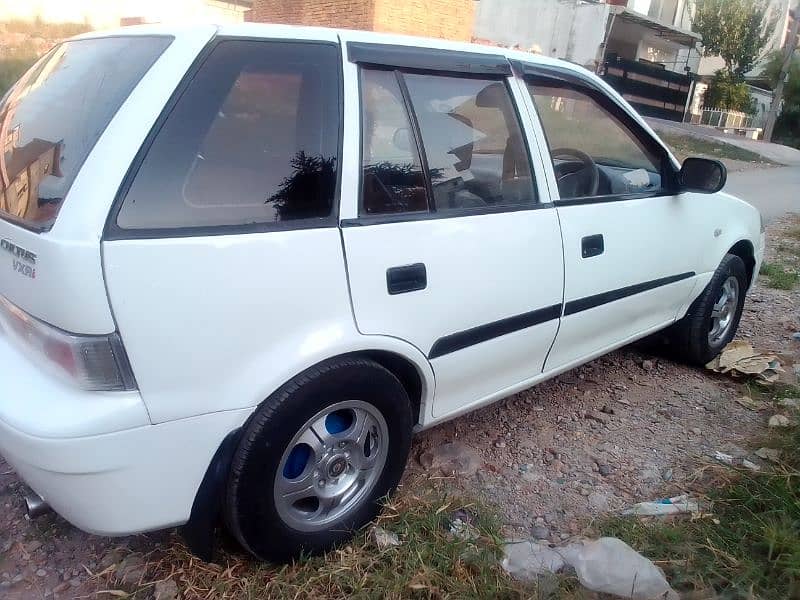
<point x="35" y="505"/>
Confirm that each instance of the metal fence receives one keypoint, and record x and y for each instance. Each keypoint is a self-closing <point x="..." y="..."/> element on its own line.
<point x="728" y="119"/>
<point x="653" y="91"/>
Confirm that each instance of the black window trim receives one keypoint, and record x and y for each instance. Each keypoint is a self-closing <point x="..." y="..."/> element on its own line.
<point x="112" y="231"/>
<point x="565" y="77"/>
<point x="428" y="60"/>
<point x="365" y="218"/>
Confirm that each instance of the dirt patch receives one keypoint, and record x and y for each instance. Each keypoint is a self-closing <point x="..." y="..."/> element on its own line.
<point x="627" y="427"/>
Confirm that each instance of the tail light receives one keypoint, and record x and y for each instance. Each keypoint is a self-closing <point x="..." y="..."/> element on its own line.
<point x="92" y="362"/>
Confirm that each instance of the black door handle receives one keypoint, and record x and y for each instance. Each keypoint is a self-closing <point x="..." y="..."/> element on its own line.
<point x="592" y="245"/>
<point x="408" y="278"/>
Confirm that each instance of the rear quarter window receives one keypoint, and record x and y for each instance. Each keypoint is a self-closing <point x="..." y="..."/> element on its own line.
<point x="252" y="140"/>
<point x="53" y="116"/>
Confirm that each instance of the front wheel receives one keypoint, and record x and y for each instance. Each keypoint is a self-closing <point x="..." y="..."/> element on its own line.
<point x="317" y="457"/>
<point x="712" y="320"/>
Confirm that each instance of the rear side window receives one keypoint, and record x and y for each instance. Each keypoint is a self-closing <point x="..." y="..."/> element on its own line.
<point x="52" y="118"/>
<point x="473" y="142"/>
<point x="392" y="181"/>
<point x="473" y="151"/>
<point x="252" y="140"/>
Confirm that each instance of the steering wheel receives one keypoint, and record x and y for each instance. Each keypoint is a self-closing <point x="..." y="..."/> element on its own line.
<point x="578" y="176"/>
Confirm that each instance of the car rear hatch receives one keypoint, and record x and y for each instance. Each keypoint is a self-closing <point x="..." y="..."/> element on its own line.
<point x="69" y="130"/>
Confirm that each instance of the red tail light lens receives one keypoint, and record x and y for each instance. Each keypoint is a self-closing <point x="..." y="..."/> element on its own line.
<point x="93" y="362"/>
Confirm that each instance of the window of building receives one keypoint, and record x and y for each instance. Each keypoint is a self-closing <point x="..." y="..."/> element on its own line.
<point x="252" y="140"/>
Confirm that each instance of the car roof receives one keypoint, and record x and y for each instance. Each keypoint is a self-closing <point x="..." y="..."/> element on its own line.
<point x="279" y="31"/>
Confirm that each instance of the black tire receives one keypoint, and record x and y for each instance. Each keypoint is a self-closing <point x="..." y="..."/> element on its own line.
<point x="691" y="334"/>
<point x="250" y="508"/>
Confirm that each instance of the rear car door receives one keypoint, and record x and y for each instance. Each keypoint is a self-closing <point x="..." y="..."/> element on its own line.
<point x="631" y="243"/>
<point x="452" y="247"/>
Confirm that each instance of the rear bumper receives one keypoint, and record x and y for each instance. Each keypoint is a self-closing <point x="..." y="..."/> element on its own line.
<point x="124" y="482"/>
<point x="95" y="457"/>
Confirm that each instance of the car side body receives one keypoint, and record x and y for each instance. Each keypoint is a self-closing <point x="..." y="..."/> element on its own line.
<point x="215" y="319"/>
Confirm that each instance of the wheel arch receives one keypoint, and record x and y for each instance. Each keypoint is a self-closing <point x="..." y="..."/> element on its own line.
<point x="416" y="377"/>
<point x="745" y="250"/>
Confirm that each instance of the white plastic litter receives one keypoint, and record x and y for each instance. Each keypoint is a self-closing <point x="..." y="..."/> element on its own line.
<point x="526" y="560"/>
<point x="736" y="462"/>
<point x="384" y="539"/>
<point x="610" y="566"/>
<point x="666" y="506"/>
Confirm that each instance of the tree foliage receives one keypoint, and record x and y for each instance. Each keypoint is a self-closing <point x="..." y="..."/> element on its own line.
<point x="736" y="30"/>
<point x="727" y="93"/>
<point x="787" y="128"/>
<point x="772" y="70"/>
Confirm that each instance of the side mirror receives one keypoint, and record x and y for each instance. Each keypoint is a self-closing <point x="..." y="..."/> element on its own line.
<point x="702" y="175"/>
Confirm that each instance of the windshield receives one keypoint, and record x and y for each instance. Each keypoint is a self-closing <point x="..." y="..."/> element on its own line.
<point x="52" y="117"/>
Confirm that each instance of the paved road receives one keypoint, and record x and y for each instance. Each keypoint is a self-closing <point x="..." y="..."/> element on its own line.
<point x="778" y="153"/>
<point x="772" y="191"/>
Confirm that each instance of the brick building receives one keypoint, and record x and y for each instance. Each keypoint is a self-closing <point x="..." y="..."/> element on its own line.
<point x="448" y="19"/>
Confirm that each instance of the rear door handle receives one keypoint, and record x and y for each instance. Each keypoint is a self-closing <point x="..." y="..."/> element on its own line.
<point x="592" y="245"/>
<point x="408" y="278"/>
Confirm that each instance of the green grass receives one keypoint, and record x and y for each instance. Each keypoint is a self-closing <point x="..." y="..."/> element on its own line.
<point x="751" y="546"/>
<point x="778" y="277"/>
<point x="686" y="145"/>
<point x="429" y="563"/>
<point x="11" y="69"/>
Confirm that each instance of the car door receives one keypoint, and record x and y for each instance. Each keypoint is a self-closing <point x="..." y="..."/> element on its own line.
<point x="631" y="243"/>
<point x="453" y="248"/>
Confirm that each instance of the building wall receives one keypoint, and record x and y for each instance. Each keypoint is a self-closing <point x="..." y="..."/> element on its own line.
<point x="350" y="14"/>
<point x="567" y="29"/>
<point x="449" y="19"/>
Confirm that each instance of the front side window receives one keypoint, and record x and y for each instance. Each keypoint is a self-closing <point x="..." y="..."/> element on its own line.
<point x="473" y="142"/>
<point x="594" y="152"/>
<point x="252" y="140"/>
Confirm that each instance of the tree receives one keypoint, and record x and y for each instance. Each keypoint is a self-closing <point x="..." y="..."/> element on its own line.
<point x="787" y="128"/>
<point x="735" y="30"/>
<point x="726" y="93"/>
<point x="772" y="70"/>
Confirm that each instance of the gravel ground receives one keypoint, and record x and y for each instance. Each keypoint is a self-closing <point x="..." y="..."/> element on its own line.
<point x="627" y="427"/>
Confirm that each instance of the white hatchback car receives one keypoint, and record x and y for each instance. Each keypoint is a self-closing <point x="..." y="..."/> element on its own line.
<point x="241" y="265"/>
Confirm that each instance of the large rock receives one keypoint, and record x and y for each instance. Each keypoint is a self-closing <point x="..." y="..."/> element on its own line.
<point x="452" y="458"/>
<point x="165" y="590"/>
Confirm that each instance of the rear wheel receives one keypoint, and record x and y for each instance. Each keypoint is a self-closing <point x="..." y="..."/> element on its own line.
<point x="317" y="457"/>
<point x="712" y="320"/>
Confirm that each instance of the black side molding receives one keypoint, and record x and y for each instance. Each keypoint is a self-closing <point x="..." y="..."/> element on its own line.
<point x="576" y="306"/>
<point x="428" y="59"/>
<point x="483" y="333"/>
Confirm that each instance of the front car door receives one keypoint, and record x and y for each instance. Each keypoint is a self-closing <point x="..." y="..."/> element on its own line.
<point x="631" y="242"/>
<point x="453" y="246"/>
